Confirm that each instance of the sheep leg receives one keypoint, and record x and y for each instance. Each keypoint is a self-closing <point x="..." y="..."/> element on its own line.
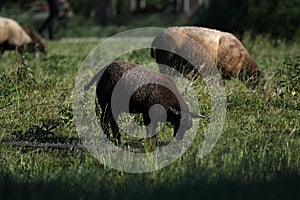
<point x="105" y="116"/>
<point x="115" y="130"/>
<point x="1" y="50"/>
<point x="151" y="140"/>
<point x="108" y="119"/>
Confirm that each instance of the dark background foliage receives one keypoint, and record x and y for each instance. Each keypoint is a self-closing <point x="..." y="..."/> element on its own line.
<point x="279" y="18"/>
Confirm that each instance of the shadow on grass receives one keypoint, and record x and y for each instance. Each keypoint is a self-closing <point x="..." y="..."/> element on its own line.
<point x="283" y="186"/>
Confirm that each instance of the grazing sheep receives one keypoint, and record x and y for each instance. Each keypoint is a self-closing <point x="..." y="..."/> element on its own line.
<point x="36" y="44"/>
<point x="13" y="35"/>
<point x="159" y="89"/>
<point x="224" y="49"/>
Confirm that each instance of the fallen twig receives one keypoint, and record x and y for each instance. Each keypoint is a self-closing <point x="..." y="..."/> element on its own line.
<point x="43" y="145"/>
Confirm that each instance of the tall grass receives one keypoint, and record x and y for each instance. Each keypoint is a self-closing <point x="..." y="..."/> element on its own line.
<point x="257" y="155"/>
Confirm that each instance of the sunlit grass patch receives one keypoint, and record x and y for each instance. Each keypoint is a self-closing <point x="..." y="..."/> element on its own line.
<point x="257" y="155"/>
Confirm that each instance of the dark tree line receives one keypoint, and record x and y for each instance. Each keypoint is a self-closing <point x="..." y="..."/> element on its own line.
<point x="279" y="18"/>
<point x="103" y="10"/>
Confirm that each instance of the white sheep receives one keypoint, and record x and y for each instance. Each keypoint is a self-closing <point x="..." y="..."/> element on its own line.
<point x="13" y="35"/>
<point x="224" y="49"/>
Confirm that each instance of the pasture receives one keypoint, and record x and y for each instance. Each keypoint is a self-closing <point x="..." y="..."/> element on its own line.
<point x="256" y="157"/>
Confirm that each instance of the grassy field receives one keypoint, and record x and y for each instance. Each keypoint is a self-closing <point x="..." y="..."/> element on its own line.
<point x="256" y="157"/>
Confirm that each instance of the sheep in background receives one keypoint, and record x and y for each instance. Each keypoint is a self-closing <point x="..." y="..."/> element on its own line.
<point x="162" y="90"/>
<point x="224" y="49"/>
<point x="13" y="35"/>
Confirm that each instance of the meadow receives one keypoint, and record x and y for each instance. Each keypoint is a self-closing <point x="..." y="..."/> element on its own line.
<point x="256" y="157"/>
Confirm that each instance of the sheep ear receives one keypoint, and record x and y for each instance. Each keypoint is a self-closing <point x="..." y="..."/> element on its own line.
<point x="174" y="111"/>
<point x="195" y="115"/>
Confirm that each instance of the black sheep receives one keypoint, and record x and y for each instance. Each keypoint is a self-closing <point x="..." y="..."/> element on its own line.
<point x="158" y="90"/>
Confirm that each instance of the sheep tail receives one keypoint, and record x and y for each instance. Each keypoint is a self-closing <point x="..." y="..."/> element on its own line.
<point x="95" y="79"/>
<point x="153" y="52"/>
